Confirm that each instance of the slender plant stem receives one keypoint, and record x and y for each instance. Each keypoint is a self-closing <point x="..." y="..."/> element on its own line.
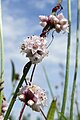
<point x="1" y="59"/>
<point x="22" y="110"/>
<point x="77" y="107"/>
<point x="67" y="60"/>
<point x="51" y="92"/>
<point x="25" y="71"/>
<point x="32" y="73"/>
<point x="76" y="63"/>
<point x="43" y="114"/>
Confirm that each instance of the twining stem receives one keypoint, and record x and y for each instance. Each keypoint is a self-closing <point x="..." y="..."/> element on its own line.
<point x="1" y="59"/>
<point x="43" y="114"/>
<point x="32" y="73"/>
<point x="22" y="110"/>
<point x="25" y="71"/>
<point x="67" y="60"/>
<point x="76" y="63"/>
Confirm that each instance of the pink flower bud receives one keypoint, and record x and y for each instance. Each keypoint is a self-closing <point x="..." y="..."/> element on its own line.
<point x="53" y="18"/>
<point x="58" y="28"/>
<point x="65" y="28"/>
<point x="60" y="16"/>
<point x="43" y="24"/>
<point x="63" y="21"/>
<point x="43" y="18"/>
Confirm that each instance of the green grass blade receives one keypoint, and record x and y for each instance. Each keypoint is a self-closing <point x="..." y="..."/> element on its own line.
<point x="76" y="63"/>
<point x="67" y="60"/>
<point x="51" y="112"/>
<point x="63" y="117"/>
<point x="1" y="59"/>
<point x="51" y="92"/>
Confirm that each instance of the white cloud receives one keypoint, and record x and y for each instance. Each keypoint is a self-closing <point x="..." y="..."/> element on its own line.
<point x="40" y="4"/>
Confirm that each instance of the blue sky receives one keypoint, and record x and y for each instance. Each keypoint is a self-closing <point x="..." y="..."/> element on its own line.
<point x="20" y="19"/>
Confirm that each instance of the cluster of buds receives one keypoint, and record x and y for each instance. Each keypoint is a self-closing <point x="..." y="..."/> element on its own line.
<point x="4" y="105"/>
<point x="33" y="96"/>
<point x="35" y="48"/>
<point x="4" y="108"/>
<point x="58" y="23"/>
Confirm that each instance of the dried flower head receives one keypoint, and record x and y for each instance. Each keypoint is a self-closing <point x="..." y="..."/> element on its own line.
<point x="33" y="96"/>
<point x="35" y="48"/>
<point x="59" y="22"/>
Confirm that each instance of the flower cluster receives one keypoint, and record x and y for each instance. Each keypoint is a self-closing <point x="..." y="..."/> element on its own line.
<point x="58" y="22"/>
<point x="4" y="108"/>
<point x="4" y="105"/>
<point x="35" y="48"/>
<point x="33" y="96"/>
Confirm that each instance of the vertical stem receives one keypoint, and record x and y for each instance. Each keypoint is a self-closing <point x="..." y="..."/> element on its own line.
<point x="51" y="92"/>
<point x="32" y="73"/>
<point x="67" y="60"/>
<point x="1" y="59"/>
<point x="76" y="63"/>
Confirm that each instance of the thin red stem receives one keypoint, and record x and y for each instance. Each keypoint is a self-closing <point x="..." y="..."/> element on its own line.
<point x="22" y="110"/>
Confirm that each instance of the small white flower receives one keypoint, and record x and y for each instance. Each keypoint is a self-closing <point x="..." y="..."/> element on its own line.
<point x="60" y="16"/>
<point x="35" y="48"/>
<point x="43" y="24"/>
<point x="58" y="28"/>
<point x="43" y="18"/>
<point x="63" y="21"/>
<point x="53" y="19"/>
<point x="34" y="97"/>
<point x="1" y="117"/>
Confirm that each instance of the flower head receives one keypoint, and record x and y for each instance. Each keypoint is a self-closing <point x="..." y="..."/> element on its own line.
<point x="59" y="22"/>
<point x="33" y="96"/>
<point x="35" y="48"/>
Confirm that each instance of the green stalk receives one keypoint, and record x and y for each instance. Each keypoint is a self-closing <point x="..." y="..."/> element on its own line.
<point x="1" y="59"/>
<point x="67" y="60"/>
<point x="25" y="71"/>
<point x="51" y="92"/>
<point x="76" y="63"/>
<point x="78" y="113"/>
